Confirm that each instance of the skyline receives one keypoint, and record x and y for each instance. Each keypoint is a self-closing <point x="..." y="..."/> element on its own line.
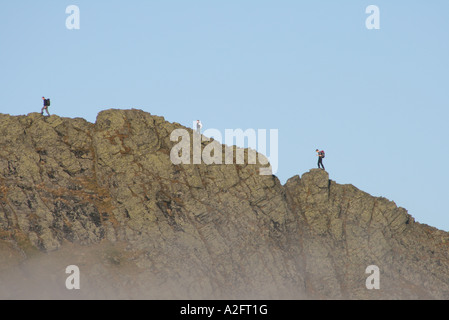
<point x="375" y="100"/>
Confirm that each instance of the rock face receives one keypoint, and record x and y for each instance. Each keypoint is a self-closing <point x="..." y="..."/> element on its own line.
<point x="107" y="198"/>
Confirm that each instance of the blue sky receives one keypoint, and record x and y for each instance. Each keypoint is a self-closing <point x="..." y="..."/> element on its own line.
<point x="375" y="100"/>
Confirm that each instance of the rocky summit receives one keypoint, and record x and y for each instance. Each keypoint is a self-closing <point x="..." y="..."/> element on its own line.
<point x="107" y="198"/>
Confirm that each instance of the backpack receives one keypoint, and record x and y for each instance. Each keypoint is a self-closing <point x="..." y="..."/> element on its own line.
<point x="322" y="154"/>
<point x="47" y="102"/>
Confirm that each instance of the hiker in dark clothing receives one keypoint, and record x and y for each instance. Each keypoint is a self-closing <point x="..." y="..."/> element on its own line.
<point x="46" y="105"/>
<point x="320" y="155"/>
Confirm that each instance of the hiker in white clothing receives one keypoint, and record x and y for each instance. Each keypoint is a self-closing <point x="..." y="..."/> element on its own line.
<point x="199" y="125"/>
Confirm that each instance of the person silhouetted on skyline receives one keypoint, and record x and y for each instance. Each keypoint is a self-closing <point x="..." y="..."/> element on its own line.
<point x="321" y="156"/>
<point x="46" y="105"/>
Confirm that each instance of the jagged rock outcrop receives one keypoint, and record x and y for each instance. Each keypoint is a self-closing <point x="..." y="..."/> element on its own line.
<point x="106" y="197"/>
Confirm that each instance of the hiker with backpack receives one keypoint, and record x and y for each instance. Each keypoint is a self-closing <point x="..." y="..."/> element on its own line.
<point x="321" y="156"/>
<point x="46" y="105"/>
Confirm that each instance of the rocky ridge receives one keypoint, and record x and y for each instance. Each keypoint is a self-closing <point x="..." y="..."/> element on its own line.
<point x="106" y="197"/>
